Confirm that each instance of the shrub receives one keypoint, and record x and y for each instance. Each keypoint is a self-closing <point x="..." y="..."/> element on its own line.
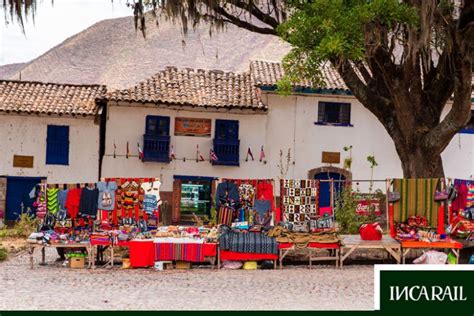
<point x="3" y="254"/>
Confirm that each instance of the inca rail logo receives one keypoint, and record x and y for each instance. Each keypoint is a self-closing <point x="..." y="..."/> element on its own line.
<point x="427" y="293"/>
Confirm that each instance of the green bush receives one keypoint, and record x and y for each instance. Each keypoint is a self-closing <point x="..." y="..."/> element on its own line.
<point x="3" y="254"/>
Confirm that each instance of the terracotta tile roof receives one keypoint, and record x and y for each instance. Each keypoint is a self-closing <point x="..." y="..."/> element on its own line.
<point x="265" y="73"/>
<point x="49" y="98"/>
<point x="194" y="87"/>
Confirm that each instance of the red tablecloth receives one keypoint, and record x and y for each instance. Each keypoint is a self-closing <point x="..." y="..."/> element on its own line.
<point x="240" y="256"/>
<point x="142" y="254"/>
<point x="437" y="244"/>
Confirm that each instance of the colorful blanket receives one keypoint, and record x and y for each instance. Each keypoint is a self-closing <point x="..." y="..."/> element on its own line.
<point x="247" y="242"/>
<point x="416" y="198"/>
<point x="191" y="252"/>
<point x="299" y="199"/>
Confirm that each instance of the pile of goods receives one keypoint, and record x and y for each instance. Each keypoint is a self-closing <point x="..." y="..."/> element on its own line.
<point x="415" y="228"/>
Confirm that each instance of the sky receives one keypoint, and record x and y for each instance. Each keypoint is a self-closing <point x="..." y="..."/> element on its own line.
<point x="53" y="24"/>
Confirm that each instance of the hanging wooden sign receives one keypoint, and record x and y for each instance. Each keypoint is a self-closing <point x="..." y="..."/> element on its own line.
<point x="23" y="161"/>
<point x="185" y="126"/>
<point x="331" y="157"/>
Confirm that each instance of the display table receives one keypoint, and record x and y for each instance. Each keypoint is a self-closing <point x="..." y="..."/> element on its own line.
<point x="106" y="245"/>
<point x="225" y="255"/>
<point x="350" y="243"/>
<point x="32" y="248"/>
<point x="453" y="246"/>
<point x="332" y="248"/>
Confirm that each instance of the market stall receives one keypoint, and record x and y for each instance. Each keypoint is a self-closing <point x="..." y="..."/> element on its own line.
<point x="416" y="216"/>
<point x="308" y="226"/>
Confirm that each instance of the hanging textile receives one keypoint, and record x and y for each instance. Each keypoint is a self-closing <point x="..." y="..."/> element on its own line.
<point x="225" y="215"/>
<point x="416" y="198"/>
<point x="299" y="199"/>
<point x="129" y="199"/>
<point x="106" y="201"/>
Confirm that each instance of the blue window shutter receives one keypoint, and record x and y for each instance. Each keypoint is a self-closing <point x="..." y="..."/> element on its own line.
<point x="156" y="140"/>
<point x="227" y="129"/>
<point x="57" y="145"/>
<point x="157" y="125"/>
<point x="226" y="143"/>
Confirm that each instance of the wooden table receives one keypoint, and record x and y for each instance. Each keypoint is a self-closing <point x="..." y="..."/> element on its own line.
<point x="352" y="242"/>
<point x="44" y="246"/>
<point x="452" y="246"/>
<point x="332" y="248"/>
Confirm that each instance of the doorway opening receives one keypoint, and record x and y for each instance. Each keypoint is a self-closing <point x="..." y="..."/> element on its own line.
<point x="18" y="197"/>
<point x="326" y="195"/>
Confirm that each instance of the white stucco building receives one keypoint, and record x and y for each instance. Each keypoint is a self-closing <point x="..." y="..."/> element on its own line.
<point x="228" y="113"/>
<point x="48" y="131"/>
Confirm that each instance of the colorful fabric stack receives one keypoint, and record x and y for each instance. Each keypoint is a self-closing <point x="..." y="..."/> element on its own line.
<point x="192" y="252"/>
<point x="246" y="242"/>
<point x="416" y="199"/>
<point x="299" y="200"/>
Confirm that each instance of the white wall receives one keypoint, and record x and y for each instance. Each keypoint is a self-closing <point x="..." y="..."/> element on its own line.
<point x="26" y="135"/>
<point x="289" y="124"/>
<point x="127" y="123"/>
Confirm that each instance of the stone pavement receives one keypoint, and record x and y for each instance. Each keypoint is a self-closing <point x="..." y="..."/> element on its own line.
<point x="55" y="287"/>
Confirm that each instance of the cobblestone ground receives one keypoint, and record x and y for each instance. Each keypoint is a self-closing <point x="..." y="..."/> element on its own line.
<point x="54" y="287"/>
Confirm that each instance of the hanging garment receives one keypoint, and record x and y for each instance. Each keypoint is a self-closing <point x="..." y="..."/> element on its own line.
<point x="40" y="204"/>
<point x="152" y="188"/>
<point x="262" y="211"/>
<point x="150" y="204"/>
<point x="62" y="197"/>
<point x="265" y="192"/>
<point x="470" y="195"/>
<point x="129" y="199"/>
<point x="106" y="200"/>
<point x="416" y="198"/>
<point x="227" y="192"/>
<point x="88" y="202"/>
<point x="72" y="202"/>
<point x="52" y="200"/>
<point x="460" y="202"/>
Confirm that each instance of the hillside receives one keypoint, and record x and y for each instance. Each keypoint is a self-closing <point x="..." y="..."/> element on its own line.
<point x="111" y="52"/>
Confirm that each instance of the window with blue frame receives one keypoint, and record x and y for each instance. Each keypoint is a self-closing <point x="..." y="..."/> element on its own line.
<point x="469" y="129"/>
<point x="227" y="143"/>
<point x="57" y="145"/>
<point x="156" y="140"/>
<point x="334" y="113"/>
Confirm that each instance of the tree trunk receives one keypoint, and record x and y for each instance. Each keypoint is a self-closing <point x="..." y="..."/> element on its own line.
<point x="419" y="163"/>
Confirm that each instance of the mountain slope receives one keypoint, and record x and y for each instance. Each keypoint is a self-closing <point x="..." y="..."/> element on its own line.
<point x="110" y="52"/>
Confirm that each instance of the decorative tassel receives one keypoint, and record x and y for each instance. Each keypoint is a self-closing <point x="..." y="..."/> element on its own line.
<point x="213" y="156"/>
<point x="249" y="153"/>
<point x="262" y="154"/>
<point x="140" y="152"/>
<point x="172" y="155"/>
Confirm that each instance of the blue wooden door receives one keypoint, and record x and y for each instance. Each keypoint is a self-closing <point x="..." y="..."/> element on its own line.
<point x="325" y="187"/>
<point x="18" y="191"/>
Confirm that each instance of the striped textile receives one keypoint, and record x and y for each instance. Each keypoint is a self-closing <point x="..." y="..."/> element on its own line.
<point x="247" y="242"/>
<point x="52" y="200"/>
<point x="416" y="198"/>
<point x="225" y="215"/>
<point x="192" y="252"/>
